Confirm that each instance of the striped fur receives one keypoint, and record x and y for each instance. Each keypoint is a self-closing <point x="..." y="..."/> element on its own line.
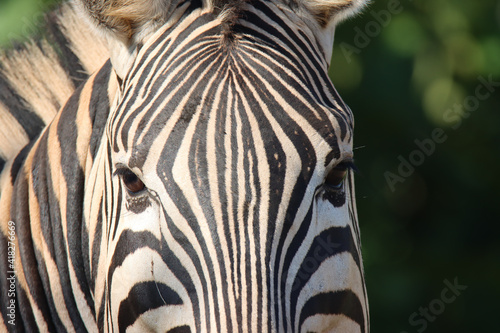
<point x="27" y="102"/>
<point x="228" y="118"/>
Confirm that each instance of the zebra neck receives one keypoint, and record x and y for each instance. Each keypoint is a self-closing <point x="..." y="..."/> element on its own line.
<point x="50" y="183"/>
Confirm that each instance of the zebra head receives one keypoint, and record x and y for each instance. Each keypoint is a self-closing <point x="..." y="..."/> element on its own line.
<point x="223" y="196"/>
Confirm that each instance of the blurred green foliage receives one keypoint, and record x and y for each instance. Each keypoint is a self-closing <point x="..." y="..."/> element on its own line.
<point x="20" y="19"/>
<point x="406" y="68"/>
<point x="419" y="71"/>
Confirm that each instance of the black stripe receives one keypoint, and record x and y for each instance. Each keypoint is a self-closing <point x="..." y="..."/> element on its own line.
<point x="328" y="243"/>
<point x="143" y="297"/>
<point x="21" y="215"/>
<point x="74" y="176"/>
<point x="234" y="211"/>
<point x="17" y="106"/>
<point x="26" y="322"/>
<point x="109" y="194"/>
<point x="116" y="215"/>
<point x="68" y="60"/>
<point x="52" y="229"/>
<point x="19" y="162"/>
<point x="220" y="138"/>
<point x="100" y="314"/>
<point x="129" y="242"/>
<point x="343" y="302"/>
<point x="180" y="329"/>
<point x="290" y="254"/>
<point x="96" y="247"/>
<point x="110" y="323"/>
<point x="99" y="106"/>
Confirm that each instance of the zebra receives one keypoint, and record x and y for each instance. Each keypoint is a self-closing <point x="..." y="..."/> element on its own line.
<point x="198" y="180"/>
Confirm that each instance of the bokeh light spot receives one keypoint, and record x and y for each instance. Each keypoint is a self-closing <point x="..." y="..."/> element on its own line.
<point x="448" y="21"/>
<point x="439" y="97"/>
<point x="490" y="47"/>
<point x="404" y="35"/>
<point x="464" y="54"/>
<point x="430" y="64"/>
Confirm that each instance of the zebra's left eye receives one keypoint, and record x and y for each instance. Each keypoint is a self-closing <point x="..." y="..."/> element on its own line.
<point x="335" y="178"/>
<point x="131" y="181"/>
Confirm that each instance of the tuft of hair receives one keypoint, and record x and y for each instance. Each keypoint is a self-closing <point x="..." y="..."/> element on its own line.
<point x="129" y="20"/>
<point x="37" y="78"/>
<point x="327" y="12"/>
<point x="228" y="12"/>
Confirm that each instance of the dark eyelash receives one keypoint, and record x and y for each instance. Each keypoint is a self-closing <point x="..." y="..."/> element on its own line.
<point x="348" y="165"/>
<point x="120" y="171"/>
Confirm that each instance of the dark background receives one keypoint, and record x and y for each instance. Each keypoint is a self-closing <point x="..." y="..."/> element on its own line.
<point x="427" y="146"/>
<point x="406" y="73"/>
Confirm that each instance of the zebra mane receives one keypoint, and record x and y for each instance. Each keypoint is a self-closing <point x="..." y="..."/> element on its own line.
<point x="37" y="78"/>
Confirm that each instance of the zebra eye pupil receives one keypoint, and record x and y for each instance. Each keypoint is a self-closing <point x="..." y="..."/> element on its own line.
<point x="132" y="182"/>
<point x="336" y="177"/>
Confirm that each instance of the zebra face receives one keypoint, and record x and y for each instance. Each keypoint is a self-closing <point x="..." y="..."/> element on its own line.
<point x="230" y="164"/>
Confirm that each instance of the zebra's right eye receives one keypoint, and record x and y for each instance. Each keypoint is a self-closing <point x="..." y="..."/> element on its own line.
<point x="131" y="181"/>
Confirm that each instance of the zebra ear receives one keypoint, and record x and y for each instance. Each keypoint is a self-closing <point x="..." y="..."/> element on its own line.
<point x="329" y="13"/>
<point x="332" y="12"/>
<point x="126" y="20"/>
<point x="125" y="24"/>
